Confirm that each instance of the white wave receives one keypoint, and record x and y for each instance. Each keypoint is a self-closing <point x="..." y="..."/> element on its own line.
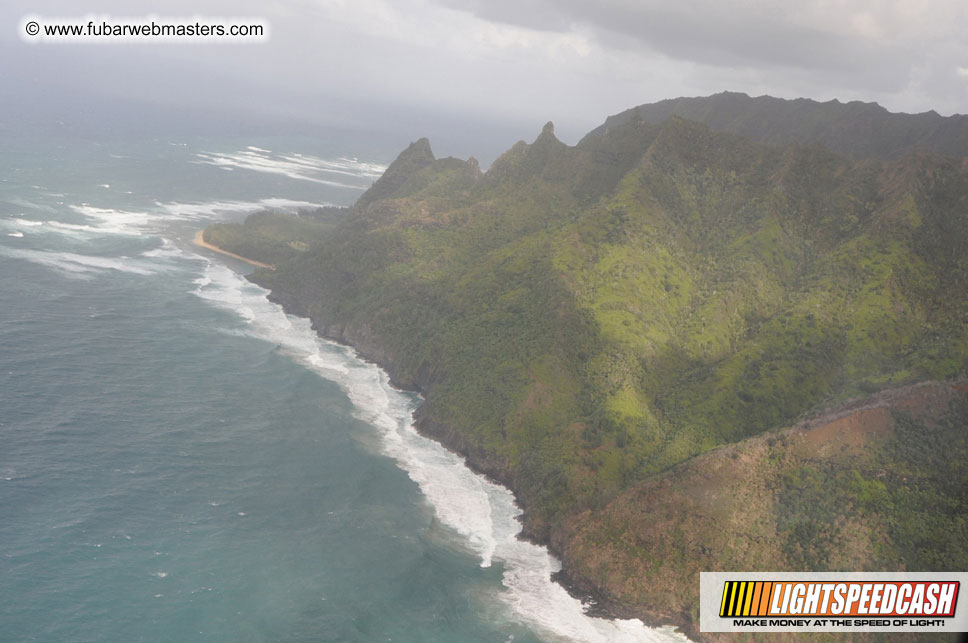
<point x="122" y="264"/>
<point x="168" y="250"/>
<point x="72" y="226"/>
<point x="105" y="185"/>
<point x="255" y="162"/>
<point x="30" y="223"/>
<point x="209" y="209"/>
<point x="111" y="221"/>
<point x="136" y="223"/>
<point x="319" y="363"/>
<point x="482" y="513"/>
<point x="71" y="229"/>
<point x="342" y="165"/>
<point x="15" y="234"/>
<point x="108" y="222"/>
<point x="76" y="265"/>
<point x="302" y="167"/>
<point x="78" y="231"/>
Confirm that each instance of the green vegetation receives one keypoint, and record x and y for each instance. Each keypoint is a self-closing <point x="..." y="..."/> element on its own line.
<point x="925" y="499"/>
<point x="912" y="490"/>
<point x="858" y="130"/>
<point x="582" y="319"/>
<point x="272" y="237"/>
<point x="882" y="487"/>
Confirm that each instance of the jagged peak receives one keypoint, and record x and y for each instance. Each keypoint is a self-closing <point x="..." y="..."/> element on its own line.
<point x="547" y="134"/>
<point x="417" y="150"/>
<point x="417" y="156"/>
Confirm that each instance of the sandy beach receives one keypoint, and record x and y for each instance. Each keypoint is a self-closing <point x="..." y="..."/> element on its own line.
<point x="200" y="241"/>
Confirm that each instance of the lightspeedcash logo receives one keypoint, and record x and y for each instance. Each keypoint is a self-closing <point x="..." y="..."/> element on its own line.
<point x="869" y="598"/>
<point x="832" y="602"/>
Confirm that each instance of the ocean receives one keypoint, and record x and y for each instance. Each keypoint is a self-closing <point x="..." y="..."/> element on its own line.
<point x="182" y="461"/>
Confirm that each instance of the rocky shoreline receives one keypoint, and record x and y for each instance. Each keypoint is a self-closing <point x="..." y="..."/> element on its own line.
<point x="661" y="504"/>
<point x="597" y="599"/>
<point x="361" y="341"/>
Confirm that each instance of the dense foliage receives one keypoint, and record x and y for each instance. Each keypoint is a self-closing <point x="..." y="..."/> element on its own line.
<point x="914" y="490"/>
<point x="581" y="319"/>
<point x="272" y="237"/>
<point x="858" y="130"/>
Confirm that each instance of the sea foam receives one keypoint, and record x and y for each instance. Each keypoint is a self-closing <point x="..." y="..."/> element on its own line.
<point x="76" y="265"/>
<point x="156" y="219"/>
<point x="483" y="513"/>
<point x="26" y="222"/>
<point x="302" y="167"/>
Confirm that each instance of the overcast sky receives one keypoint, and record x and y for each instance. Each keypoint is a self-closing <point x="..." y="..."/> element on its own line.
<point x="516" y="62"/>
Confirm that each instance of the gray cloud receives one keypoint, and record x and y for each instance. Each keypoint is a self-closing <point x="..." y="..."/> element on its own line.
<point x="424" y="67"/>
<point x="877" y="48"/>
<point x="713" y="33"/>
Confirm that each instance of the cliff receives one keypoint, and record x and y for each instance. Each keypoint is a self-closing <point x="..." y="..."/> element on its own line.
<point x="602" y="327"/>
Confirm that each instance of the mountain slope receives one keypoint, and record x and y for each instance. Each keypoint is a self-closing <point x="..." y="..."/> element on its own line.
<point x="584" y="320"/>
<point x="855" y="129"/>
<point x="879" y="484"/>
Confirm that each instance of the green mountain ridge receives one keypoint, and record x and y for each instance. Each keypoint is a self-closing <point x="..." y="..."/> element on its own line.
<point x="585" y="321"/>
<point x="855" y="129"/>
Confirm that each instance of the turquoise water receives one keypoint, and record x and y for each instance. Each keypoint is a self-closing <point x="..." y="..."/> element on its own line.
<point x="181" y="461"/>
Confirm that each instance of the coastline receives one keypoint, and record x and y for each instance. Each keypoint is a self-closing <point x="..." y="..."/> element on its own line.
<point x="199" y="240"/>
<point x="597" y="605"/>
<point x="365" y="346"/>
<point x="363" y="341"/>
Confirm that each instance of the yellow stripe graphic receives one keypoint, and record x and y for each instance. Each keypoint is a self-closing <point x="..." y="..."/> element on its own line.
<point x="749" y="598"/>
<point x="746" y="598"/>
